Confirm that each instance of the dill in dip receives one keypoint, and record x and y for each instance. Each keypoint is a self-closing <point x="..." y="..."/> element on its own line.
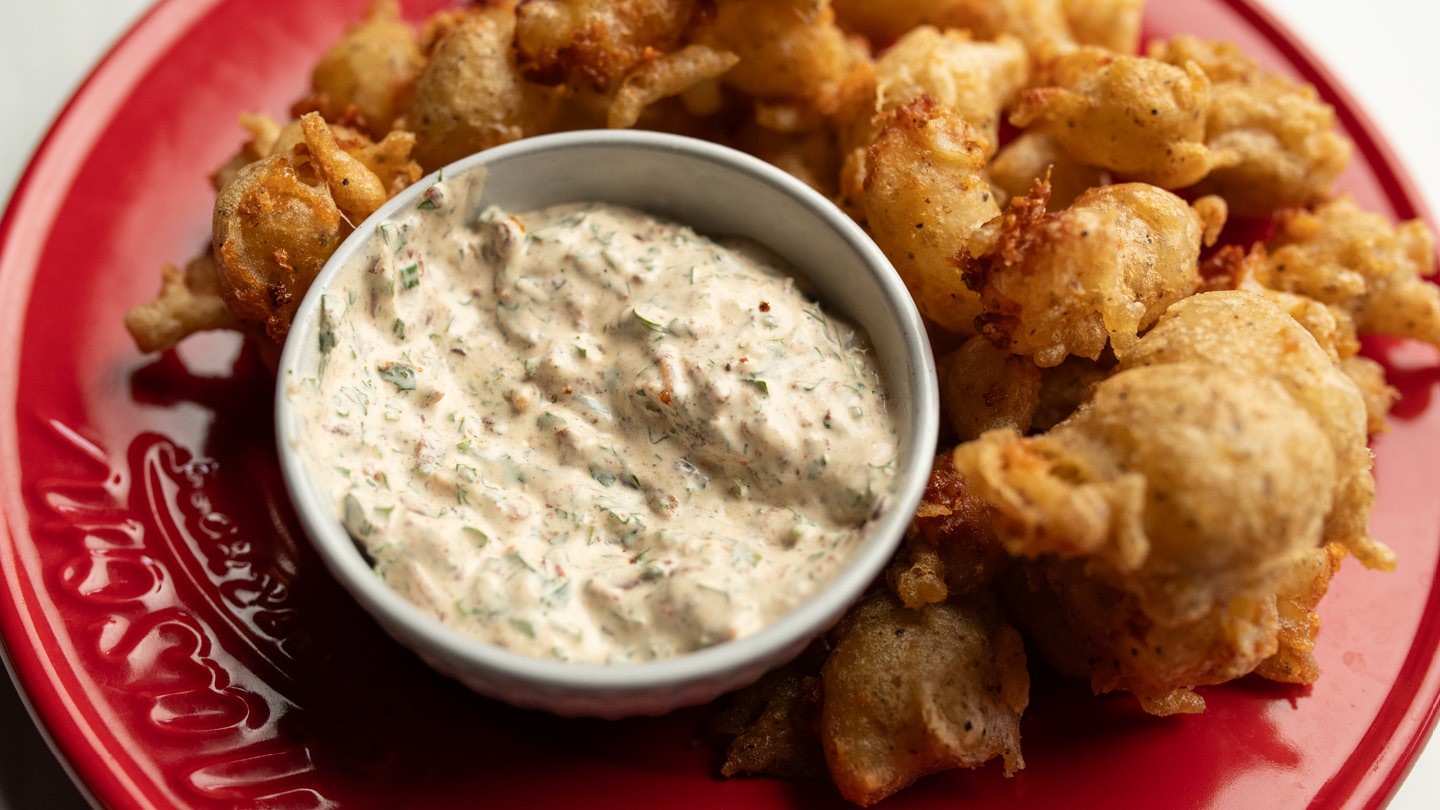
<point x="587" y="434"/>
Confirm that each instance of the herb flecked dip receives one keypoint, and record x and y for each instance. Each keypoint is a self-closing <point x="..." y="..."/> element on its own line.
<point x="587" y="434"/>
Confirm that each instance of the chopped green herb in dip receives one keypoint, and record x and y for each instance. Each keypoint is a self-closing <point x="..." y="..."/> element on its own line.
<point x="587" y="434"/>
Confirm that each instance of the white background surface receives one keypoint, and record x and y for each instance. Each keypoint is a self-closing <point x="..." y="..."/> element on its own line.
<point x="1383" y="50"/>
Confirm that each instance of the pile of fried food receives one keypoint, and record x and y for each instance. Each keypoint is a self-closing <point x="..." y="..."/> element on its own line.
<point x="1157" y="446"/>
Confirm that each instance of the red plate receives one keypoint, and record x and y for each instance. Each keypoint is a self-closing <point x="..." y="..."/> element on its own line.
<point x="185" y="648"/>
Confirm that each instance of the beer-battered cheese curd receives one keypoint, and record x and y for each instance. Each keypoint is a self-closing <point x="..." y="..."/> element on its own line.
<point x="587" y="434"/>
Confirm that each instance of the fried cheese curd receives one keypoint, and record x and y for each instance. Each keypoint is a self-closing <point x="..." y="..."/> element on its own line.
<point x="189" y="302"/>
<point x="272" y="234"/>
<point x="1359" y="263"/>
<point x="1035" y="156"/>
<point x="950" y="548"/>
<point x="1112" y="511"/>
<point x="1110" y="24"/>
<point x="983" y="388"/>
<point x="1275" y="141"/>
<point x="1099" y="272"/>
<point x="924" y="674"/>
<point x="1112" y="488"/>
<point x="1156" y="525"/>
<point x="620" y="56"/>
<point x="1251" y="334"/>
<point x="925" y="193"/>
<point x="1089" y="629"/>
<point x="281" y="217"/>
<point x="793" y="60"/>
<point x="911" y="692"/>
<point x="365" y="80"/>
<point x="1161" y="454"/>
<point x="772" y="727"/>
<point x="899" y="694"/>
<point x="277" y="219"/>
<point x="975" y="80"/>
<point x="882" y="21"/>
<point x="595" y="43"/>
<point x="1140" y="118"/>
<point x="471" y="96"/>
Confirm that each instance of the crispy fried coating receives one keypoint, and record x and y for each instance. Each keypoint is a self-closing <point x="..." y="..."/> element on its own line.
<point x="272" y="234"/>
<point x="389" y="159"/>
<point x="1275" y="142"/>
<point x="302" y="140"/>
<point x="791" y="51"/>
<point x="882" y="21"/>
<point x="1332" y="328"/>
<point x="333" y="154"/>
<point x="1361" y="264"/>
<point x="1110" y="24"/>
<point x="286" y="199"/>
<point x="1221" y="61"/>
<point x="925" y="193"/>
<point x="1141" y="118"/>
<point x="1369" y="377"/>
<point x="1191" y="609"/>
<point x="1034" y="156"/>
<point x="917" y="574"/>
<point x="1064" y="388"/>
<point x="669" y="75"/>
<point x="913" y="692"/>
<point x="356" y="190"/>
<point x="983" y="388"/>
<point x="1187" y="485"/>
<point x="1089" y="629"/>
<point x="470" y="95"/>
<point x="1102" y="270"/>
<point x="595" y="43"/>
<point x="366" y="78"/>
<point x="950" y="547"/>
<point x="1040" y="24"/>
<point x="772" y="727"/>
<point x="1300" y="590"/>
<point x="1280" y="143"/>
<point x="1250" y="334"/>
<point x="975" y="79"/>
<point x="189" y="302"/>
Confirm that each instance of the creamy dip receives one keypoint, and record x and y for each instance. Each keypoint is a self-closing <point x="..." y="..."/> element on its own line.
<point x="587" y="434"/>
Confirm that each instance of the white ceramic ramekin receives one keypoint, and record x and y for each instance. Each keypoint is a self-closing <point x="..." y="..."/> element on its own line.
<point x="720" y="192"/>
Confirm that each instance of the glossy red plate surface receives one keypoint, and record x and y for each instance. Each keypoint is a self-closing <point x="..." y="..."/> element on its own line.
<point x="185" y="648"/>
